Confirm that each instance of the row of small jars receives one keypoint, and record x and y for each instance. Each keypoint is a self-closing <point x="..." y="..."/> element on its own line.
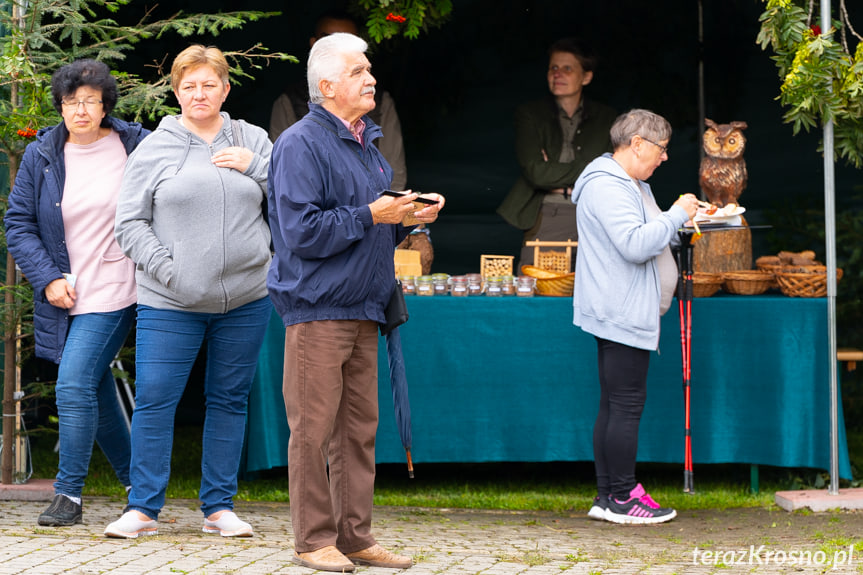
<point x="468" y="285"/>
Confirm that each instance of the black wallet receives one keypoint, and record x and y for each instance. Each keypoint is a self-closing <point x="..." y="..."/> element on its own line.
<point x="396" y="312"/>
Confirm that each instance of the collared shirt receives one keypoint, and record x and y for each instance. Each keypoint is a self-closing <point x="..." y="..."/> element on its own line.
<point x="356" y="130"/>
<point x="569" y="127"/>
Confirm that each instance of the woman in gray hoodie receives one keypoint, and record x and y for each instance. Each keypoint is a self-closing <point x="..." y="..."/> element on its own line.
<point x="190" y="217"/>
<point x="625" y="278"/>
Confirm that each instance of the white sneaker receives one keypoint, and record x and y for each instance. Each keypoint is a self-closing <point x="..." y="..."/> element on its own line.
<point x="129" y="526"/>
<point x="228" y="525"/>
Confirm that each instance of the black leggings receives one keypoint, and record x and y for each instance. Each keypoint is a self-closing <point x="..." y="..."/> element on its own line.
<point x="623" y="390"/>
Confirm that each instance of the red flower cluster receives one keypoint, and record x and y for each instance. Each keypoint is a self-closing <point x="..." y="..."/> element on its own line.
<point x="395" y="18"/>
<point x="816" y="29"/>
<point x="27" y="133"/>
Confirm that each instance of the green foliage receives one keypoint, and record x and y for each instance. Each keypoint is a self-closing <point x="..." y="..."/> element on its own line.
<point x="40" y="36"/>
<point x="822" y="80"/>
<point x="389" y="18"/>
<point x="51" y="33"/>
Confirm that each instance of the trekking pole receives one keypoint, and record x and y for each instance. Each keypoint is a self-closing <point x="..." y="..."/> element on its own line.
<point x="686" y="257"/>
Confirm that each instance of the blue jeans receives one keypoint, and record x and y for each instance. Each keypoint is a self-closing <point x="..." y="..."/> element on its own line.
<point x="87" y="403"/>
<point x="167" y="343"/>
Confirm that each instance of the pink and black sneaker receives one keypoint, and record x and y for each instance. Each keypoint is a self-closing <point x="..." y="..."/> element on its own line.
<point x="639" y="509"/>
<point x="598" y="507"/>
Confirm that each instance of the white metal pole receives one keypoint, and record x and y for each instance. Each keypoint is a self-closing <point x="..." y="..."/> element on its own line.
<point x="830" y="244"/>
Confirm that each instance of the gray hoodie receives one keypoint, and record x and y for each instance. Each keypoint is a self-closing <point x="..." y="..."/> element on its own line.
<point x="196" y="232"/>
<point x="617" y="285"/>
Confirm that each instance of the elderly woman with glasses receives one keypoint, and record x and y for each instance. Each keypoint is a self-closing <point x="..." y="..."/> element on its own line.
<point x="60" y="230"/>
<point x="625" y="278"/>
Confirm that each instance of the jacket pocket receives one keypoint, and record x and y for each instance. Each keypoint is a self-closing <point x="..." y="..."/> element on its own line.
<point x="191" y="278"/>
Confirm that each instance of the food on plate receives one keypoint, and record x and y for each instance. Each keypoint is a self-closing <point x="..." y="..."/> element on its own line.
<point x="713" y="211"/>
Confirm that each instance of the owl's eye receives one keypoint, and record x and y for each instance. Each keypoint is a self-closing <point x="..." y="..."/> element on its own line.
<point x="718" y="140"/>
<point x="732" y="141"/>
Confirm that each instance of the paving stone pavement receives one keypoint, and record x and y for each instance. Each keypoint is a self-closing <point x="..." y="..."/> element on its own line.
<point x="460" y="542"/>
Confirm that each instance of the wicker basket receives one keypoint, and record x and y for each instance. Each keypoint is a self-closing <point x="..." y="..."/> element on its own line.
<point x="559" y="261"/>
<point x="705" y="284"/>
<point x="553" y="260"/>
<point x="550" y="283"/>
<point x="804" y="281"/>
<point x="748" y="282"/>
<point x="562" y="285"/>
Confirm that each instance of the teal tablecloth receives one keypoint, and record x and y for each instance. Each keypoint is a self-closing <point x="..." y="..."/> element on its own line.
<point x="511" y="379"/>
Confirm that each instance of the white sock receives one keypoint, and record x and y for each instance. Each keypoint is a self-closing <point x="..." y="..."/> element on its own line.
<point x="75" y="500"/>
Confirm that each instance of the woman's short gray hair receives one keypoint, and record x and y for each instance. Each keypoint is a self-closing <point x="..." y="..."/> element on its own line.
<point x="639" y="122"/>
<point x="326" y="61"/>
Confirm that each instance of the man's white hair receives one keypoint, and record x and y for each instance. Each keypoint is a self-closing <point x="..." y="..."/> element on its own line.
<point x="326" y="60"/>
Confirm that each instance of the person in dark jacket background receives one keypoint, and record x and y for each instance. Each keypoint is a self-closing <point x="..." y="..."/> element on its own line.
<point x="556" y="137"/>
<point x="60" y="230"/>
<point x="331" y="278"/>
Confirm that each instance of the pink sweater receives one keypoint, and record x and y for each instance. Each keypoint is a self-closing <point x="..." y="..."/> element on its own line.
<point x="105" y="277"/>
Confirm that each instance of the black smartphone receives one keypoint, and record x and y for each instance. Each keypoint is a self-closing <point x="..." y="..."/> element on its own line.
<point x="419" y="199"/>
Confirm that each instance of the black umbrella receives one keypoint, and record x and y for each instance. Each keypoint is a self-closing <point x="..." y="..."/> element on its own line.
<point x="399" y="383"/>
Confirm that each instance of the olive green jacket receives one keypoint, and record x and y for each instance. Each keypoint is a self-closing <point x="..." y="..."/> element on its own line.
<point x="537" y="128"/>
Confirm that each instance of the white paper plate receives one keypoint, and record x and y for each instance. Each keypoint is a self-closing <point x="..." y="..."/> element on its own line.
<point x="719" y="217"/>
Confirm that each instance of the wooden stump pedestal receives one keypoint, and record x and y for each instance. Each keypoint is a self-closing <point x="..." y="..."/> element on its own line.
<point x="723" y="250"/>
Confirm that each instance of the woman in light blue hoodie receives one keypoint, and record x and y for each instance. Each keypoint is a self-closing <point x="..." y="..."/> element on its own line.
<point x="625" y="278"/>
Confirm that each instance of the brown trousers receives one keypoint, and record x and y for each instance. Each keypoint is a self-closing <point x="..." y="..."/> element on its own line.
<point x="331" y="397"/>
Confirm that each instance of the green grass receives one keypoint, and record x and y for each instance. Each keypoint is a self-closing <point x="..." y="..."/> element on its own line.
<point x="556" y="487"/>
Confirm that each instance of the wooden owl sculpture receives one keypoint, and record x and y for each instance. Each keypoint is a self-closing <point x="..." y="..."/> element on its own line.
<point x="723" y="172"/>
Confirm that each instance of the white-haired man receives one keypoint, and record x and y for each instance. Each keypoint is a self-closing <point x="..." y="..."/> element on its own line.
<point x="331" y="278"/>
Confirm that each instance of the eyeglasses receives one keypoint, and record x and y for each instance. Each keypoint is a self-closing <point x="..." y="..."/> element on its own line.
<point x="88" y="104"/>
<point x="663" y="149"/>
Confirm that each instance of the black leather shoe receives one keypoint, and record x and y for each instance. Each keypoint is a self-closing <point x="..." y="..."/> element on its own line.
<point x="61" y="513"/>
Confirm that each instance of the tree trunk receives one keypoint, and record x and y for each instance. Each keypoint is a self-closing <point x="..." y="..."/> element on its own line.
<point x="10" y="352"/>
<point x="9" y="379"/>
<point x="724" y="250"/>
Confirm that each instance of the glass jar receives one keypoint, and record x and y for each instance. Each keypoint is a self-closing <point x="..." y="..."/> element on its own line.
<point x="493" y="286"/>
<point x="409" y="286"/>
<point x="525" y="286"/>
<point x="459" y="286"/>
<point x="508" y="285"/>
<point x="474" y="284"/>
<point x="425" y="286"/>
<point x="441" y="284"/>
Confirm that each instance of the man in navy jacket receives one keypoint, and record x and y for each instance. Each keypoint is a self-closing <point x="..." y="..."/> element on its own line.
<point x="331" y="278"/>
